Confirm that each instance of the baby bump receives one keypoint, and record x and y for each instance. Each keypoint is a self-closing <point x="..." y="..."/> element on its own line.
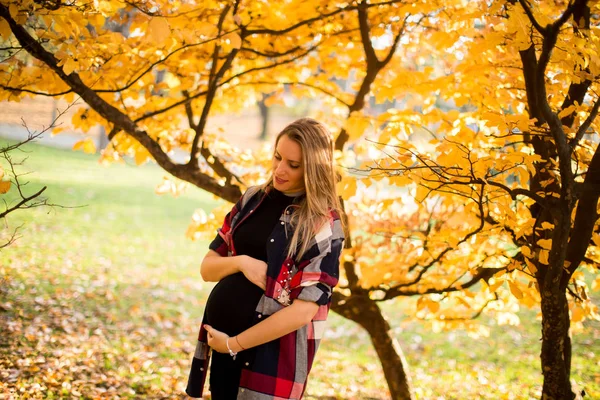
<point x="231" y="304"/>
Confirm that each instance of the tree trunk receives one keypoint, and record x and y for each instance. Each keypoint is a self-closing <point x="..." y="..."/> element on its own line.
<point x="102" y="139"/>
<point x="264" y="116"/>
<point x="556" y="346"/>
<point x="364" y="311"/>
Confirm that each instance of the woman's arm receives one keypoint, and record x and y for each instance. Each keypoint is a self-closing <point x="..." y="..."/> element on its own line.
<point x="284" y="321"/>
<point x="214" y="268"/>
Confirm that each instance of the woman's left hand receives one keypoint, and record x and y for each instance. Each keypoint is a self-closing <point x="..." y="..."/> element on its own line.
<point x="217" y="339"/>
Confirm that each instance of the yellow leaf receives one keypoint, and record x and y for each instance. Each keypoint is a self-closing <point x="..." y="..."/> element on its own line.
<point x="108" y="7"/>
<point x="526" y="251"/>
<point x="141" y="156"/>
<point x="14" y="11"/>
<point x="545" y="243"/>
<point x="421" y="303"/>
<point x="69" y="66"/>
<point x="596" y="239"/>
<point x="234" y="40"/>
<point x="96" y="20"/>
<point x="464" y="302"/>
<point x="433" y="306"/>
<point x="58" y="129"/>
<point x="87" y="145"/>
<point x="547" y="225"/>
<point x="422" y="193"/>
<point x="172" y="81"/>
<point x="356" y="125"/>
<point x="4" y="186"/>
<point x="347" y="187"/>
<point x="158" y="30"/>
<point x="567" y="111"/>
<point x="205" y="29"/>
<point x="400" y="180"/>
<point x="515" y="290"/>
<point x="1" y="172"/>
<point x="577" y="314"/>
<point x="531" y="266"/>
<point x="544" y="254"/>
<point x="494" y="286"/>
<point x="5" y="31"/>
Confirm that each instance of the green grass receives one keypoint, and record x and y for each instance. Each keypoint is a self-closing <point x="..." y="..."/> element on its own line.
<point x="103" y="298"/>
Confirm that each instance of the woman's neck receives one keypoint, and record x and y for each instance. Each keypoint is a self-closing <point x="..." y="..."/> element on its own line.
<point x="294" y="194"/>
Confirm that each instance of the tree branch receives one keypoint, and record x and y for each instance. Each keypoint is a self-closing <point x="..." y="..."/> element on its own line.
<point x="577" y="90"/>
<point x="212" y="160"/>
<point x="12" y="238"/>
<point x="222" y="83"/>
<point x="317" y="18"/>
<point x="531" y="17"/>
<point x="273" y="54"/>
<point x="482" y="274"/>
<point x="586" y="124"/>
<point x="396" y="40"/>
<point x="151" y="66"/>
<point x="23" y="201"/>
<point x="395" y="291"/>
<point x="15" y="89"/>
<point x="322" y="90"/>
<point x="213" y="81"/>
<point x="374" y="65"/>
<point x="586" y="215"/>
<point x="363" y="21"/>
<point x="121" y="121"/>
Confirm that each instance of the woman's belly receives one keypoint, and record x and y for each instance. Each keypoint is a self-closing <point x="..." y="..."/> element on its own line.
<point x="231" y="304"/>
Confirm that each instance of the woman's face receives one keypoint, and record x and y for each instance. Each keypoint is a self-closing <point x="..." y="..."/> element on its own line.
<point x="288" y="169"/>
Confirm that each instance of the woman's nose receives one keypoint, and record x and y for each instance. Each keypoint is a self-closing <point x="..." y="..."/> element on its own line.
<point x="280" y="169"/>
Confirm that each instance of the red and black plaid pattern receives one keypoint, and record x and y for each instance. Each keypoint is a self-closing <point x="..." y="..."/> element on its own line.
<point x="280" y="368"/>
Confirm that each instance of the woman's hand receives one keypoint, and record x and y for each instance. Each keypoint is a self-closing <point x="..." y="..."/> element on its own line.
<point x="217" y="340"/>
<point x="255" y="270"/>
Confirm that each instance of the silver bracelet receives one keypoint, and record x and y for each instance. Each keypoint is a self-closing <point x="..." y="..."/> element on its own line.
<point x="231" y="352"/>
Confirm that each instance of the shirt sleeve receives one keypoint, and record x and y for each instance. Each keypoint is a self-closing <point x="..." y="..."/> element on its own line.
<point x="222" y="241"/>
<point x="317" y="276"/>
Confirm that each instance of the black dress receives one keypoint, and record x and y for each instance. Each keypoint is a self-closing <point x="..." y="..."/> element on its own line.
<point x="232" y="302"/>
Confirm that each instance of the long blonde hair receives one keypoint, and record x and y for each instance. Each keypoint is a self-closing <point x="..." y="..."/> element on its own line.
<point x="319" y="181"/>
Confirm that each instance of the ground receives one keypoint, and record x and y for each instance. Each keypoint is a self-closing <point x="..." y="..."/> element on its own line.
<point x="103" y="300"/>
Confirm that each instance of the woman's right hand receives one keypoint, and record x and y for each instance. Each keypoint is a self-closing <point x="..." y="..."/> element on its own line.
<point x="255" y="270"/>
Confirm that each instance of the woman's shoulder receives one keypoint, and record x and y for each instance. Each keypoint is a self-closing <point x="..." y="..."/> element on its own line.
<point x="334" y="215"/>
<point x="250" y="192"/>
<point x="331" y="228"/>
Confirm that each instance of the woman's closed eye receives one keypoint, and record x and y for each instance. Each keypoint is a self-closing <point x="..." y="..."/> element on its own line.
<point x="293" y="166"/>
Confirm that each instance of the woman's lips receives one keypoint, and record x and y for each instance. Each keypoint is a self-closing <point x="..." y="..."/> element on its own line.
<point x="280" y="181"/>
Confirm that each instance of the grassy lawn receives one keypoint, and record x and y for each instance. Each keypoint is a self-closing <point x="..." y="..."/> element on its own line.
<point x="103" y="300"/>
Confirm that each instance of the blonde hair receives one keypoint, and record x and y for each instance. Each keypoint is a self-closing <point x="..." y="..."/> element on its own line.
<point x="321" y="198"/>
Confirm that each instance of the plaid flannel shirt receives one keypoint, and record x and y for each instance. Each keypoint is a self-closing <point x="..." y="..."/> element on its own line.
<point x="280" y="368"/>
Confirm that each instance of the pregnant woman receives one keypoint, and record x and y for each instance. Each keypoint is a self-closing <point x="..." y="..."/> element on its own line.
<point x="276" y="261"/>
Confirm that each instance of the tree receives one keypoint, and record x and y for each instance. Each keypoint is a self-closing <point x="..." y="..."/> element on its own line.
<point x="264" y="116"/>
<point x="20" y="198"/>
<point x="12" y="178"/>
<point x="236" y="59"/>
<point x="523" y="160"/>
<point x="219" y="56"/>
